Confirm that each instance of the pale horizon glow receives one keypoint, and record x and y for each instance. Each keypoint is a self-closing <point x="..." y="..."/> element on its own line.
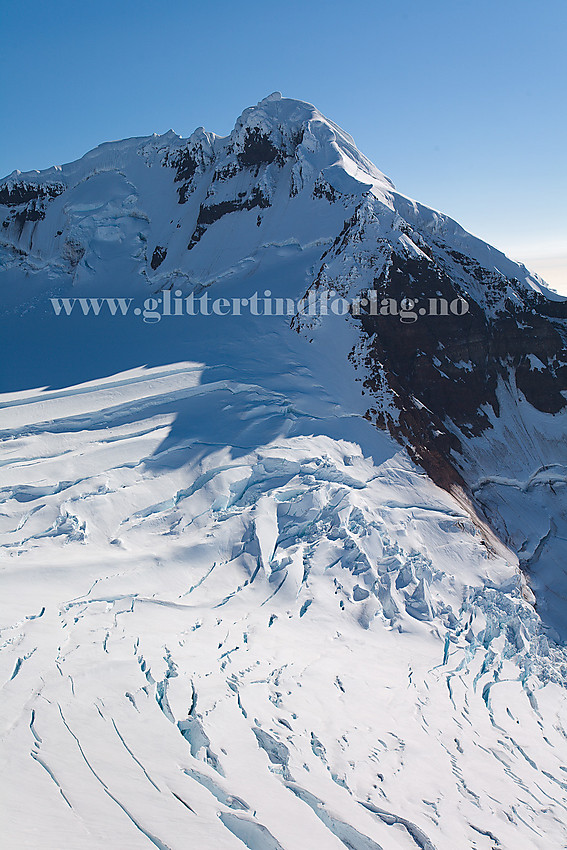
<point x="552" y="267"/>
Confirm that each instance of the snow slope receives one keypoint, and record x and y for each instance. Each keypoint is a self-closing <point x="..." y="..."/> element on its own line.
<point x="235" y="613"/>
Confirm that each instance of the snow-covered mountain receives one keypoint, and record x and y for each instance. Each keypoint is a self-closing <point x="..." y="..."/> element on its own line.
<point x="275" y="581"/>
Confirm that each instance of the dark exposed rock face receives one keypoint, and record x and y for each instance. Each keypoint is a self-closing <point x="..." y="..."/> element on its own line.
<point x="32" y="212"/>
<point x="208" y="214"/>
<point x="258" y="149"/>
<point x="183" y="193"/>
<point x="27" y="201"/>
<point x="452" y="364"/>
<point x="16" y="194"/>
<point x="158" y="256"/>
<point x="427" y="353"/>
<point x="322" y="189"/>
<point x="187" y="163"/>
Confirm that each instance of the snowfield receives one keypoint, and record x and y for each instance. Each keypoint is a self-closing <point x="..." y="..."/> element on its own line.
<point x="233" y="612"/>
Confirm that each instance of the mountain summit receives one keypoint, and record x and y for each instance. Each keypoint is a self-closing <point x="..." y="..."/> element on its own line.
<point x="273" y="577"/>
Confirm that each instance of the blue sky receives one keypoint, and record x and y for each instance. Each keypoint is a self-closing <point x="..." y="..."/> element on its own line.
<point x="462" y="104"/>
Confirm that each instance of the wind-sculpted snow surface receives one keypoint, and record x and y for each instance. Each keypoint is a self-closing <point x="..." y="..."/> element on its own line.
<point x="237" y="609"/>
